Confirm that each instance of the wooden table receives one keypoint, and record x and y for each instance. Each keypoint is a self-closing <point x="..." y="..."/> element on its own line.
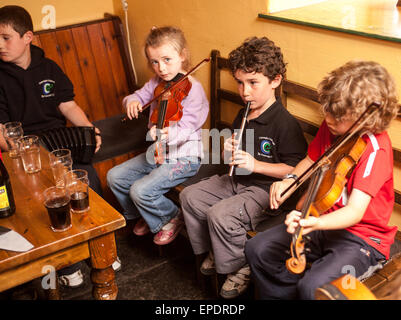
<point x="91" y="235"/>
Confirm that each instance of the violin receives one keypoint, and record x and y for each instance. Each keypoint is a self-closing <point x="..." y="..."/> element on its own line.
<point x="324" y="190"/>
<point x="328" y="174"/>
<point x="169" y="107"/>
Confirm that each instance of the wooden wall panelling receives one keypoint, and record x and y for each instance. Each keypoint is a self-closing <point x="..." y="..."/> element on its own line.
<point x="97" y="105"/>
<point x="119" y="75"/>
<point x="73" y="71"/>
<point x="103" y="67"/>
<point x="50" y="45"/>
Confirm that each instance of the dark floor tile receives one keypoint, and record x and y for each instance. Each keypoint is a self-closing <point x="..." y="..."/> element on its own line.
<point x="149" y="273"/>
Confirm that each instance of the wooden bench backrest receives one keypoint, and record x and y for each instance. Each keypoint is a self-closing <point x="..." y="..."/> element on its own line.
<point x="94" y="55"/>
<point x="219" y="94"/>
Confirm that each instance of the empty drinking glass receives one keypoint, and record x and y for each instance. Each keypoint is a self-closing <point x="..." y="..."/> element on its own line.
<point x="12" y="132"/>
<point x="60" y="162"/>
<point x="29" y="149"/>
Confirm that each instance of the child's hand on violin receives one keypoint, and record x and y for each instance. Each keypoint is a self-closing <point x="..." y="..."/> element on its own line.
<point x="276" y="189"/>
<point x="163" y="133"/>
<point x="293" y="220"/>
<point x="133" y="108"/>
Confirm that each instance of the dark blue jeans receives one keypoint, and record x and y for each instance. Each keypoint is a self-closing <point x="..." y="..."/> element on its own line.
<point x="333" y="253"/>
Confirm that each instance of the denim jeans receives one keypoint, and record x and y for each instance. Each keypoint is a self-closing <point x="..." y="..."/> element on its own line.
<point x="139" y="186"/>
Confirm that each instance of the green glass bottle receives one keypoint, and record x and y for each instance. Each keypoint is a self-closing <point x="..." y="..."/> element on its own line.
<point x="7" y="204"/>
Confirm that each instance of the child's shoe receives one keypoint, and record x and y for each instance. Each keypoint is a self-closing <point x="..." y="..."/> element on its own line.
<point x="141" y="227"/>
<point x="117" y="264"/>
<point x="73" y="280"/>
<point x="208" y="267"/>
<point x="236" y="283"/>
<point x="170" y="231"/>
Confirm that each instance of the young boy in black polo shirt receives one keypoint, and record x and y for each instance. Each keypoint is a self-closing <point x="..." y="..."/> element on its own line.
<point x="220" y="210"/>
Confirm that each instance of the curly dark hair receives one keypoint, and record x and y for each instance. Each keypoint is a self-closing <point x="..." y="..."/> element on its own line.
<point x="17" y="17"/>
<point x="258" y="55"/>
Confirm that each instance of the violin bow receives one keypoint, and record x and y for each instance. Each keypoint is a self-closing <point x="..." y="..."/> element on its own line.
<point x="200" y="64"/>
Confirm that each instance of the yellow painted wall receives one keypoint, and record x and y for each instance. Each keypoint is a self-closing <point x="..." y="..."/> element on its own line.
<point x="67" y="11"/>
<point x="279" y="5"/>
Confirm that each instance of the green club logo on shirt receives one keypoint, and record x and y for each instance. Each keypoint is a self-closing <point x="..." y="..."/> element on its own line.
<point x="47" y="88"/>
<point x="266" y="147"/>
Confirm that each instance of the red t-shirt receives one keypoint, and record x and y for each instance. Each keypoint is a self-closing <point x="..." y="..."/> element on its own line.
<point x="373" y="175"/>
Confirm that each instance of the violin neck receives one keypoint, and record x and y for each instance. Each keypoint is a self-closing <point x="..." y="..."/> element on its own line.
<point x="162" y="114"/>
<point x="313" y="187"/>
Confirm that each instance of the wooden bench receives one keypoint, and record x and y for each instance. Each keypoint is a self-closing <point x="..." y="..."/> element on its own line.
<point x="380" y="278"/>
<point x="95" y="57"/>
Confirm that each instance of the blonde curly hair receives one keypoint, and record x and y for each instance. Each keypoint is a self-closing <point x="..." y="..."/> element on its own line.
<point x="347" y="91"/>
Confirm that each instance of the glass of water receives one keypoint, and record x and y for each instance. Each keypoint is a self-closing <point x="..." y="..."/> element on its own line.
<point x="29" y="149"/>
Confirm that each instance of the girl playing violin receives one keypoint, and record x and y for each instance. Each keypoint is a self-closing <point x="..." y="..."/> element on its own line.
<point x="353" y="236"/>
<point x="139" y="184"/>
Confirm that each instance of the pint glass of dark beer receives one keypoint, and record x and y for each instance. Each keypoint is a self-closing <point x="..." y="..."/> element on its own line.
<point x="77" y="184"/>
<point x="57" y="203"/>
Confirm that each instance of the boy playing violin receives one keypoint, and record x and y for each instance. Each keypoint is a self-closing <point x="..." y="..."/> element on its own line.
<point x="220" y="210"/>
<point x="353" y="235"/>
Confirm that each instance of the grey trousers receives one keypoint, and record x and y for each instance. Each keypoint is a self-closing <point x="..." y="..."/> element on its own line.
<point x="218" y="213"/>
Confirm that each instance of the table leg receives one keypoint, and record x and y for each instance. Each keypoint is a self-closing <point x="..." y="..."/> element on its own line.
<point x="103" y="254"/>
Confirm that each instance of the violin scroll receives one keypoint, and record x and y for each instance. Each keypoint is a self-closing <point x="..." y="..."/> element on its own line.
<point x="295" y="265"/>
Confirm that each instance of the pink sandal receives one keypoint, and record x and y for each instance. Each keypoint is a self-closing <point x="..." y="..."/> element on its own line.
<point x="141" y="227"/>
<point x="169" y="232"/>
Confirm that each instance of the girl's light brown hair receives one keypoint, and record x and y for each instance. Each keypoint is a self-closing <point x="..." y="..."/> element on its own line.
<point x="173" y="36"/>
<point x="348" y="90"/>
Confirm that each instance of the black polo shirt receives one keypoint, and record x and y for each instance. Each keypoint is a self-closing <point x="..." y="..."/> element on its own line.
<point x="277" y="138"/>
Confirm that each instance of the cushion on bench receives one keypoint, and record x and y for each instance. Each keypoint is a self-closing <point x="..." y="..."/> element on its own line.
<point x="206" y="170"/>
<point x="119" y="137"/>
